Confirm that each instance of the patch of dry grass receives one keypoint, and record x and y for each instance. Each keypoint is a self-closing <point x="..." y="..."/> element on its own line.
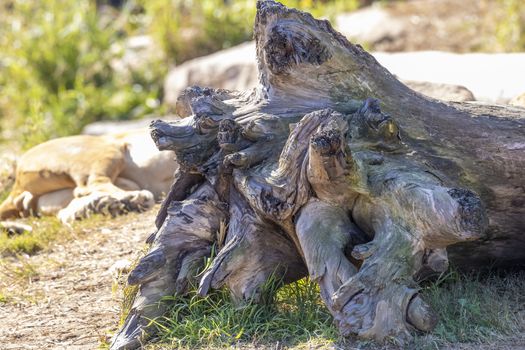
<point x="46" y="230"/>
<point x="16" y="268"/>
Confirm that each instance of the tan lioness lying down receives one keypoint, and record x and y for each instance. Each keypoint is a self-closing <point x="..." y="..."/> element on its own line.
<point x="74" y="177"/>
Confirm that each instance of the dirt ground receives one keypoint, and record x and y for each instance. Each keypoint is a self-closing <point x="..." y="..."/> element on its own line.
<point x="71" y="302"/>
<point x="72" y="299"/>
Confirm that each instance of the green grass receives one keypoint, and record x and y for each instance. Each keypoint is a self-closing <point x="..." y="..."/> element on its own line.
<point x="56" y="75"/>
<point x="296" y="316"/>
<point x="46" y="231"/>
<point x="473" y="309"/>
<point x="477" y="308"/>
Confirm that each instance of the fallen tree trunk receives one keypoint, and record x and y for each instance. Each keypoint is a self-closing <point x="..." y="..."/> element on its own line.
<point x="314" y="175"/>
<point x="236" y="69"/>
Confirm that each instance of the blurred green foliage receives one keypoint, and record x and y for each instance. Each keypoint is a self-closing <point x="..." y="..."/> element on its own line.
<point x="57" y="57"/>
<point x="55" y="70"/>
<point x="192" y="28"/>
<point x="510" y="29"/>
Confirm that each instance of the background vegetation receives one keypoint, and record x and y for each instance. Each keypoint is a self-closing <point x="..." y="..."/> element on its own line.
<point x="510" y="29"/>
<point x="58" y="57"/>
<point x="56" y="74"/>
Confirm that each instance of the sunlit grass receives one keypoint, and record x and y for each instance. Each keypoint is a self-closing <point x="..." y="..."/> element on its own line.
<point x="477" y="308"/>
<point x="473" y="309"/>
<point x="295" y="316"/>
<point x="46" y="230"/>
<point x="55" y="58"/>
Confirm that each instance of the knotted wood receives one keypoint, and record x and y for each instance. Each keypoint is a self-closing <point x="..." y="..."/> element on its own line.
<point x="331" y="167"/>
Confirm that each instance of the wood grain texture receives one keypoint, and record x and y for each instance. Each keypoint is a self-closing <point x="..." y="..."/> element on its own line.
<point x="334" y="168"/>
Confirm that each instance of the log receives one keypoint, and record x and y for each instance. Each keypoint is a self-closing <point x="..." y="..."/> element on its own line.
<point x="177" y="252"/>
<point x="235" y="69"/>
<point x="333" y="168"/>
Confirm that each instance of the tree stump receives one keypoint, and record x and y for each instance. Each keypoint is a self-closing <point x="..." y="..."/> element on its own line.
<point x="333" y="168"/>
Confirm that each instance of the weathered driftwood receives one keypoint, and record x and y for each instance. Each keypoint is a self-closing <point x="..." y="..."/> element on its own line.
<point x="314" y="177"/>
<point x="236" y="69"/>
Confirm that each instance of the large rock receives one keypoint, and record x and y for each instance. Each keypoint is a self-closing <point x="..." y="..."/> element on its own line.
<point x="236" y="69"/>
<point x="491" y="77"/>
<point x="115" y="126"/>
<point x="232" y="69"/>
<point x="446" y="92"/>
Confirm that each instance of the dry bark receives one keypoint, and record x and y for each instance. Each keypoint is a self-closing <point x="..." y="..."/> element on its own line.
<point x="315" y="175"/>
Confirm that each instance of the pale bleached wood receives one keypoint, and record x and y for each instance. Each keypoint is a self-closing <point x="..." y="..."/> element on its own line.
<point x="313" y="173"/>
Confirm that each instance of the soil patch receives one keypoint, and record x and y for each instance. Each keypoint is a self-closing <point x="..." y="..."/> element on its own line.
<point x="65" y="298"/>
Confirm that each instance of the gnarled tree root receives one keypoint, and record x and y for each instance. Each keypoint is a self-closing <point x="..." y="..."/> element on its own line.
<point x="318" y="179"/>
<point x="255" y="252"/>
<point x="177" y="252"/>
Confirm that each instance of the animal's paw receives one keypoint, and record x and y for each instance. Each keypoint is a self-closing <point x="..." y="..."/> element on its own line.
<point x="113" y="204"/>
<point x="83" y="207"/>
<point x="136" y="201"/>
<point x="14" y="228"/>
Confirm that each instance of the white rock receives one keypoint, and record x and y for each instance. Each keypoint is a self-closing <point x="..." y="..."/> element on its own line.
<point x="232" y="69"/>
